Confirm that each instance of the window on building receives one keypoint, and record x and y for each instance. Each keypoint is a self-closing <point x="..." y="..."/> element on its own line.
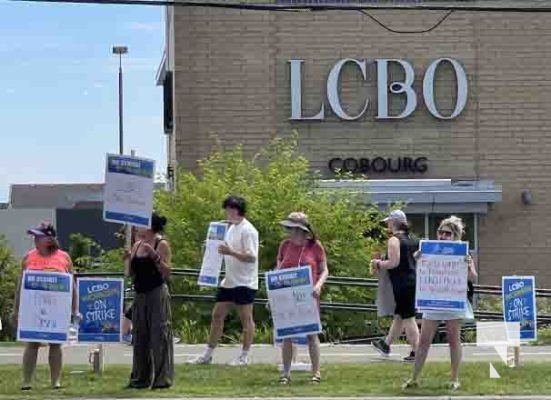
<point x="468" y="220"/>
<point x="417" y="225"/>
<point x="168" y="103"/>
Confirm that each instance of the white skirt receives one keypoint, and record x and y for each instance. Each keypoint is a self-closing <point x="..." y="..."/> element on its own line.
<point x="465" y="316"/>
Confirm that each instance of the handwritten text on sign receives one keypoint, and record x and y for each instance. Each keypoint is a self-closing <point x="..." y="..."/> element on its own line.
<point x="294" y="309"/>
<point x="442" y="276"/>
<point x="128" y="193"/>
<point x="45" y="307"/>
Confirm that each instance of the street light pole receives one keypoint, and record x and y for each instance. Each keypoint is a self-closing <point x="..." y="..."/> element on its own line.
<point x="120" y="50"/>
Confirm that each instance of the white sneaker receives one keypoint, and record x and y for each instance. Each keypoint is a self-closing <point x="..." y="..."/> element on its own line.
<point x="201" y="360"/>
<point x="240" y="361"/>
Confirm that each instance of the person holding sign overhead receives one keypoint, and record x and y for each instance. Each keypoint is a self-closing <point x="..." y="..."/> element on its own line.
<point x="45" y="257"/>
<point x="240" y="284"/>
<point x="149" y="266"/>
<point x="301" y="248"/>
<point x="451" y="229"/>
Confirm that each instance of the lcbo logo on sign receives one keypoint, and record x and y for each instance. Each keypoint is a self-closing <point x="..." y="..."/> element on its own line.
<point x="98" y="288"/>
<point x="384" y="87"/>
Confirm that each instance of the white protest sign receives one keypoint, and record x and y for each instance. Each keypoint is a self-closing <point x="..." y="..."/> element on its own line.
<point x="44" y="307"/>
<point x="128" y="192"/>
<point x="442" y="274"/>
<point x="212" y="259"/>
<point x="294" y="309"/>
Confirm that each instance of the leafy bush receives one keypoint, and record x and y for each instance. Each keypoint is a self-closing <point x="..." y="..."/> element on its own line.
<point x="274" y="182"/>
<point x="88" y="256"/>
<point x="9" y="271"/>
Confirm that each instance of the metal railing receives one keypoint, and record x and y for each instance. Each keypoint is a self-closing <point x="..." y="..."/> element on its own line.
<point x="339" y="281"/>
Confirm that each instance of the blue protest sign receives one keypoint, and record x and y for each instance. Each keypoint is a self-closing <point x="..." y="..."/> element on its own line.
<point x="294" y="309"/>
<point x="128" y="192"/>
<point x="100" y="302"/>
<point x="44" y="307"/>
<point x="519" y="304"/>
<point x="442" y="276"/>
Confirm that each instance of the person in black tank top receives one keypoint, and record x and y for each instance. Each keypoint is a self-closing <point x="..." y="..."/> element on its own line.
<point x="401" y="267"/>
<point x="149" y="266"/>
<point x="144" y="269"/>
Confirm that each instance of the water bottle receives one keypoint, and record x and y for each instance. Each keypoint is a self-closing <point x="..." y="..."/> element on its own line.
<point x="72" y="332"/>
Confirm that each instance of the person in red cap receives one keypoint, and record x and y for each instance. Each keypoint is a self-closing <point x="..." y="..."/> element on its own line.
<point x="47" y="256"/>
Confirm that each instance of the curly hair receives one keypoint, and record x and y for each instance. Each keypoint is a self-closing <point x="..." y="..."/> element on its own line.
<point x="456" y="226"/>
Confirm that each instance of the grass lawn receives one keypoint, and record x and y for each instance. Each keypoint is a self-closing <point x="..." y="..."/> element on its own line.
<point x="261" y="380"/>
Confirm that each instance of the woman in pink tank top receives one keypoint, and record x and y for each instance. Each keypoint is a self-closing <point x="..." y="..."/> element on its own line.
<point x="46" y="257"/>
<point x="301" y="248"/>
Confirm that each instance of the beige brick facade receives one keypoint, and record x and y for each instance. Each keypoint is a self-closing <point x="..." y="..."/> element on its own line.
<point x="232" y="79"/>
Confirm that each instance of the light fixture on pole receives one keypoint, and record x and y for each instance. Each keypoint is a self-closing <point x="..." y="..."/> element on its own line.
<point x="120" y="50"/>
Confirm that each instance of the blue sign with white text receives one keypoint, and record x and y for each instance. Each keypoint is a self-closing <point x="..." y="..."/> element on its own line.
<point x="444" y="248"/>
<point x="100" y="302"/>
<point x="519" y="304"/>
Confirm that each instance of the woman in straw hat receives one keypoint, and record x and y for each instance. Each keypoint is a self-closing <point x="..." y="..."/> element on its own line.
<point x="301" y="248"/>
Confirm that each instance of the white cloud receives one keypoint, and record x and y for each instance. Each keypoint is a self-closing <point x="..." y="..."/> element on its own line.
<point x="144" y="26"/>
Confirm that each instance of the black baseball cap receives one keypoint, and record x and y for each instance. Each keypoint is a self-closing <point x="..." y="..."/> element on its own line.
<point x="43" y="231"/>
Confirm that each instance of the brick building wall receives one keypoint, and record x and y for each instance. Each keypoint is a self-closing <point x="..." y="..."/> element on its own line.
<point x="232" y="75"/>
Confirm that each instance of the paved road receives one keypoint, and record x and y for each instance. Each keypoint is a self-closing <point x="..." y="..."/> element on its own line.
<point x="263" y="354"/>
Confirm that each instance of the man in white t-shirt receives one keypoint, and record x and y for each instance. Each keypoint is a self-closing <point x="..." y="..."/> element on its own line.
<point x="240" y="284"/>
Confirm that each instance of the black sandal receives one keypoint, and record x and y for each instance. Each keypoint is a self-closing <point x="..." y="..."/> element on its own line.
<point x="285" y="380"/>
<point x="316" y="379"/>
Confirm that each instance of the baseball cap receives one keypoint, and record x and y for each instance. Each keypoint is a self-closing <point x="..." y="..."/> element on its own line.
<point x="396" y="215"/>
<point x="44" y="230"/>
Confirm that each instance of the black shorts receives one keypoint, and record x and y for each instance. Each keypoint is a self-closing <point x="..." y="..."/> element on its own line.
<point x="128" y="313"/>
<point x="404" y="297"/>
<point x="240" y="295"/>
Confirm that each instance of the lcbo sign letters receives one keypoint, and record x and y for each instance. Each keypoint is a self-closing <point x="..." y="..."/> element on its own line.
<point x="383" y="89"/>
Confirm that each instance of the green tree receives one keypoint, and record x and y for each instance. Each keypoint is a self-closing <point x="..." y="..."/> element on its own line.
<point x="274" y="182"/>
<point x="88" y="256"/>
<point x="9" y="271"/>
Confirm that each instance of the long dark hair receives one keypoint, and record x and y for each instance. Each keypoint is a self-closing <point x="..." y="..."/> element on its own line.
<point x="313" y="239"/>
<point x="158" y="223"/>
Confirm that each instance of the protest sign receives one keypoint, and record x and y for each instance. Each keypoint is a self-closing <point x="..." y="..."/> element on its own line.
<point x="100" y="302"/>
<point x="44" y="307"/>
<point x="300" y="341"/>
<point x="519" y="304"/>
<point x="128" y="192"/>
<point x="442" y="273"/>
<point x="294" y="309"/>
<point x="212" y="260"/>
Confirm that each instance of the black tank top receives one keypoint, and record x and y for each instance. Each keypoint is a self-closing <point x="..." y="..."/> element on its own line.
<point x="146" y="275"/>
<point x="404" y="274"/>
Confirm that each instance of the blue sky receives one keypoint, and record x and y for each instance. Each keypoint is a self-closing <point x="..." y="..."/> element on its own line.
<point x="58" y="89"/>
